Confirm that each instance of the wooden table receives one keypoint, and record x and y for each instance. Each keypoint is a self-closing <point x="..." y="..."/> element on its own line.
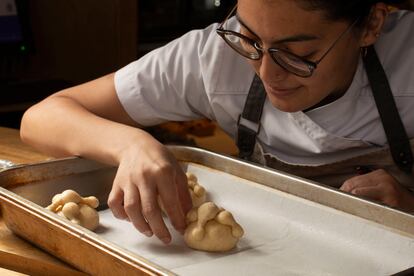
<point x="15" y="253"/>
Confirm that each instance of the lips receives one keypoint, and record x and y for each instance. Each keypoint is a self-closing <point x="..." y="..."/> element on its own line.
<point x="278" y="91"/>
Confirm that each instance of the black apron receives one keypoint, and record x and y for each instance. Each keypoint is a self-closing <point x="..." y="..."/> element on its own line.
<point x="398" y="153"/>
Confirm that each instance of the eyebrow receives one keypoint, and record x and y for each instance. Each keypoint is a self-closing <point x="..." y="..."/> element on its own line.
<point x="295" y="38"/>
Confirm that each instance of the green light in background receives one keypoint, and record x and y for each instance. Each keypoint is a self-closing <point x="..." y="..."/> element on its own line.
<point x="22" y="48"/>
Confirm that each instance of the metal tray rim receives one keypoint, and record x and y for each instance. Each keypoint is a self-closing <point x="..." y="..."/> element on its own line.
<point x="391" y="218"/>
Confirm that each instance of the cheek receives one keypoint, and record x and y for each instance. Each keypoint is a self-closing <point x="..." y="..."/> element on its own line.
<point x="255" y="65"/>
<point x="335" y="73"/>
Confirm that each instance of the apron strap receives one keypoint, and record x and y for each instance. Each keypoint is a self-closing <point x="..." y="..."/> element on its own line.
<point x="249" y="121"/>
<point x="394" y="129"/>
<point x="248" y="124"/>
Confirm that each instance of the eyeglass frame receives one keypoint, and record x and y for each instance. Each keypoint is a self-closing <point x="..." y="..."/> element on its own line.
<point x="312" y="65"/>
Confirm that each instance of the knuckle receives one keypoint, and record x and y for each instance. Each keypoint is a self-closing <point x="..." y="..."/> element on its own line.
<point x="113" y="202"/>
<point x="131" y="206"/>
<point x="165" y="169"/>
<point x="161" y="168"/>
<point x="119" y="215"/>
<point x="149" y="210"/>
<point x="382" y="174"/>
<point x="140" y="226"/>
<point x="381" y="171"/>
<point x="117" y="212"/>
<point x="170" y="209"/>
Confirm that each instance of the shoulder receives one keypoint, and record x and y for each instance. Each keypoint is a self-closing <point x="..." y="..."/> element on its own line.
<point x="395" y="49"/>
<point x="397" y="34"/>
<point x="197" y="74"/>
<point x="223" y="70"/>
<point x="199" y="56"/>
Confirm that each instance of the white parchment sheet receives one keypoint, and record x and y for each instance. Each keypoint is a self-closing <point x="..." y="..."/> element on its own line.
<point x="284" y="235"/>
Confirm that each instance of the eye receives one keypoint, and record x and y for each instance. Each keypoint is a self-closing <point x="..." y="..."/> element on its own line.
<point x="296" y="51"/>
<point x="308" y="55"/>
<point x="249" y="35"/>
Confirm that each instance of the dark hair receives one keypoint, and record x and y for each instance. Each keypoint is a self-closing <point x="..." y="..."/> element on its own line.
<point x="349" y="10"/>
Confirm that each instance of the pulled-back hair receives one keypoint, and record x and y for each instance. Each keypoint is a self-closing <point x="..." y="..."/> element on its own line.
<point x="349" y="10"/>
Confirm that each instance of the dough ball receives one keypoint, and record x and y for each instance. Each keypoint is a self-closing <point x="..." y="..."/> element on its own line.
<point x="211" y="228"/>
<point x="197" y="192"/>
<point x="198" y="196"/>
<point x="88" y="217"/>
<point x="91" y="201"/>
<point x="70" y="196"/>
<point x="191" y="177"/>
<point x="70" y="210"/>
<point x="60" y="199"/>
<point x="77" y="209"/>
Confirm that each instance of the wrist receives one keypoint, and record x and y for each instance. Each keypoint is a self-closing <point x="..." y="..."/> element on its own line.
<point x="133" y="144"/>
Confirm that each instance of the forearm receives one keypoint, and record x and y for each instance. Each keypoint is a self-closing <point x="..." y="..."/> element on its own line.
<point x="61" y="127"/>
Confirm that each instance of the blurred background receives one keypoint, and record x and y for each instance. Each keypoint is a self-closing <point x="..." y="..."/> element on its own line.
<point x="47" y="45"/>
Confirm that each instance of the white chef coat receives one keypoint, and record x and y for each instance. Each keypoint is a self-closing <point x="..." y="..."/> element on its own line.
<point x="198" y="75"/>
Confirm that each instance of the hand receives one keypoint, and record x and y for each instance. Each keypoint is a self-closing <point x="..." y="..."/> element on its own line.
<point x="147" y="169"/>
<point x="380" y="186"/>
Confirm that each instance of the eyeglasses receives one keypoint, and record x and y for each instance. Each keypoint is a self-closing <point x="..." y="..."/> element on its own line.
<point x="251" y="49"/>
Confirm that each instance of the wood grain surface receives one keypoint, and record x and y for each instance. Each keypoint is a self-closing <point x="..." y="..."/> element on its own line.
<point x="15" y="253"/>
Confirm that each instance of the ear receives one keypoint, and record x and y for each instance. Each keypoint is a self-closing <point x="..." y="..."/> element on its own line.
<point x="374" y="24"/>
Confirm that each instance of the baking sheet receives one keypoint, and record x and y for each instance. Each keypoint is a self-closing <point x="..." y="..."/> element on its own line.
<point x="4" y="164"/>
<point x="285" y="234"/>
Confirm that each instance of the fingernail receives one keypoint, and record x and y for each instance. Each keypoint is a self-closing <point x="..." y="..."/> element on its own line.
<point x="166" y="240"/>
<point x="148" y="233"/>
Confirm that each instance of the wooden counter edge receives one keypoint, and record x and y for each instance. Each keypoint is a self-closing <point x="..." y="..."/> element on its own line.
<point x="15" y="253"/>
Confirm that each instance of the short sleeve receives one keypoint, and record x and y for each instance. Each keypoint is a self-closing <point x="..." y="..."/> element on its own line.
<point x="168" y="83"/>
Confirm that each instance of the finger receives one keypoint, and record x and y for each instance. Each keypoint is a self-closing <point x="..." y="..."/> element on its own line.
<point x="181" y="185"/>
<point x="132" y="206"/>
<point x="115" y="203"/>
<point x="171" y="200"/>
<point x="183" y="192"/>
<point x="152" y="212"/>
<point x="365" y="180"/>
<point x="349" y="185"/>
<point x="370" y="192"/>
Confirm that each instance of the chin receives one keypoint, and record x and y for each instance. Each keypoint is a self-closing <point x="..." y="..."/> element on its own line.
<point x="286" y="106"/>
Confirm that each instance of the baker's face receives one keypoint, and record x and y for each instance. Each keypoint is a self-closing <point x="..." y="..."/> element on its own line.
<point x="284" y="24"/>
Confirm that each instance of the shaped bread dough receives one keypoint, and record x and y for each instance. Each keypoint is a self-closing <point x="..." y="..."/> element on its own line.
<point x="211" y="228"/>
<point x="197" y="192"/>
<point x="79" y="210"/>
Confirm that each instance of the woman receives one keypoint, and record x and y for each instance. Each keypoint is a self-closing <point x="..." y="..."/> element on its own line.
<point x="286" y="78"/>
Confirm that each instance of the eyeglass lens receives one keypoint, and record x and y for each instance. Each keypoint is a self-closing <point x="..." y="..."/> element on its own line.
<point x="287" y="60"/>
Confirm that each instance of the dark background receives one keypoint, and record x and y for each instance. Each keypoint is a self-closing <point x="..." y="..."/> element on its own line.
<point x="72" y="41"/>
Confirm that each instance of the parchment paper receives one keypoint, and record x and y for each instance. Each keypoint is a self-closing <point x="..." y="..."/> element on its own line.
<point x="284" y="235"/>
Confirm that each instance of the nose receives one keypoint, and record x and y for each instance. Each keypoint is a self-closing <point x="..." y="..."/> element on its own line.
<point x="270" y="71"/>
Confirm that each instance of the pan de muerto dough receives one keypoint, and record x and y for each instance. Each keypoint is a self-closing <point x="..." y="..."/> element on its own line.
<point x="211" y="228"/>
<point x="79" y="210"/>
